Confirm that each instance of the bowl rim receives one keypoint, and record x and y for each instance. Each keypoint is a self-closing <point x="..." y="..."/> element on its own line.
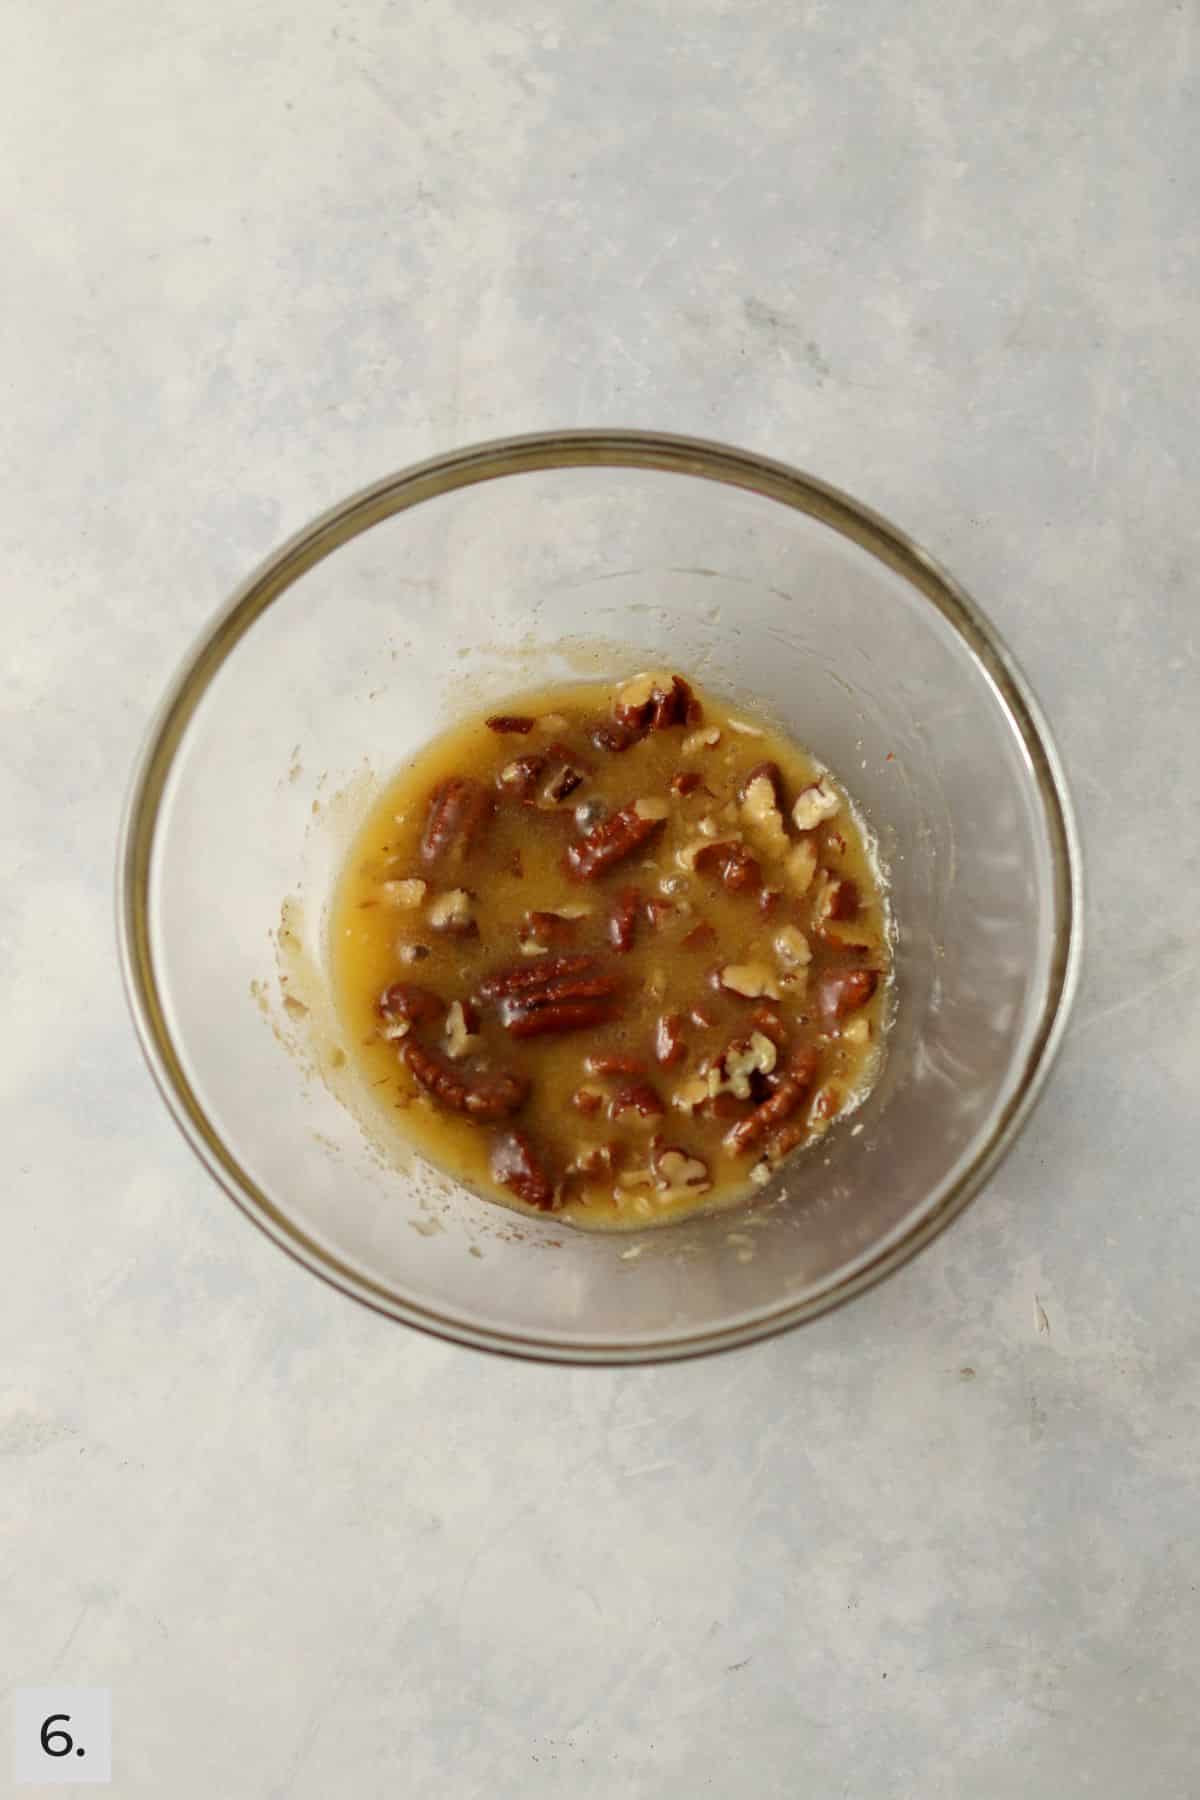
<point x="526" y="454"/>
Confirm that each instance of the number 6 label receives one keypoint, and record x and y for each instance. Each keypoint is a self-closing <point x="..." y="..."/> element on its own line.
<point x="62" y="1735"/>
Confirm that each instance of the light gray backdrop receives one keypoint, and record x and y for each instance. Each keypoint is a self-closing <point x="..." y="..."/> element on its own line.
<point x="943" y="1544"/>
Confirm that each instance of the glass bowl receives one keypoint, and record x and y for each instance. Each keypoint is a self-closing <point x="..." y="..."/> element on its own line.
<point x="529" y="560"/>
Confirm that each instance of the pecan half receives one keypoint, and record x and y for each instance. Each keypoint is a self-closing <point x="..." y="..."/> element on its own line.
<point x="479" y="1096"/>
<point x="732" y="865"/>
<point x="408" y="1000"/>
<point x="459" y="810"/>
<point x="669" y="1045"/>
<point x="842" y="991"/>
<point x="789" y="1094"/>
<point x="636" y="1097"/>
<point x="609" y="843"/>
<point x="623" y="920"/>
<point x="511" y="722"/>
<point x="517" y="1166"/>
<point x="564" y="994"/>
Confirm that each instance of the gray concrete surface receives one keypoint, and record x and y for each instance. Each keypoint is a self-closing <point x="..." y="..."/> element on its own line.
<point x="943" y="1544"/>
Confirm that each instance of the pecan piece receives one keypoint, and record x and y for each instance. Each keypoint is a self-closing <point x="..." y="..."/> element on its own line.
<point x="732" y="864"/>
<point x="636" y="1097"/>
<point x="813" y="805"/>
<point x="450" y="913"/>
<point x="700" y="937"/>
<point x="685" y="782"/>
<point x="843" y="991"/>
<point x="623" y="920"/>
<point x="789" y="1094"/>
<point x="658" y="912"/>
<point x="669" y="1047"/>
<point x="648" y="703"/>
<point x="610" y="842"/>
<point x="517" y="1166"/>
<point x="511" y="722"/>
<point x="768" y="1021"/>
<point x="409" y="1001"/>
<point x="479" y="1096"/>
<point x="837" y="898"/>
<point x="679" y="1172"/>
<point x="548" y="928"/>
<point x="587" y="1100"/>
<point x="521" y="776"/>
<point x="768" y="901"/>
<point x="567" y="774"/>
<point x="459" y="809"/>
<point x="615" y="737"/>
<point x="769" y="772"/>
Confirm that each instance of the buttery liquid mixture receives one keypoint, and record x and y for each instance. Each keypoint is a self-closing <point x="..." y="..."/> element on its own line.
<point x="613" y="954"/>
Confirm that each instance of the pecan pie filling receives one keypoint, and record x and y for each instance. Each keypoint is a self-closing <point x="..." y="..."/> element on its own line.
<point x="614" y="954"/>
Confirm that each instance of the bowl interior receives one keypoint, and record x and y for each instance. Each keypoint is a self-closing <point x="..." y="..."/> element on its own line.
<point x="324" y="677"/>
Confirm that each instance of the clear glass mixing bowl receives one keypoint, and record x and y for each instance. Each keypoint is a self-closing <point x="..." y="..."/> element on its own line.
<point x="532" y="559"/>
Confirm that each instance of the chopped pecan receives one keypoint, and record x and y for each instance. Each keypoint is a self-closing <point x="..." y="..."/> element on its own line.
<point x="564" y="994"/>
<point x="459" y="810"/>
<point x="510" y="722"/>
<point x="636" y="1097"/>
<point x="731" y="863"/>
<point x="612" y="1062"/>
<point x="679" y="1172"/>
<point x="587" y="1100"/>
<point x="548" y="928"/>
<point x="773" y="775"/>
<point x="649" y="703"/>
<point x="814" y="804"/>
<point x="407" y="1000"/>
<point x="609" y="843"/>
<point x="407" y="894"/>
<point x="517" y="1166"/>
<point x="838" y="898"/>
<point x="623" y="920"/>
<point x="658" y="912"/>
<point x="669" y="1047"/>
<point x="450" y="914"/>
<point x="768" y="901"/>
<point x="842" y="991"/>
<point x="753" y="980"/>
<point x="521" y="776"/>
<point x="685" y="782"/>
<point x="462" y="1028"/>
<point x="480" y="1096"/>
<point x="789" y="1094"/>
<point x="566" y="774"/>
<point x="700" y="937"/>
<point x="613" y="736"/>
<point x="741" y="1067"/>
